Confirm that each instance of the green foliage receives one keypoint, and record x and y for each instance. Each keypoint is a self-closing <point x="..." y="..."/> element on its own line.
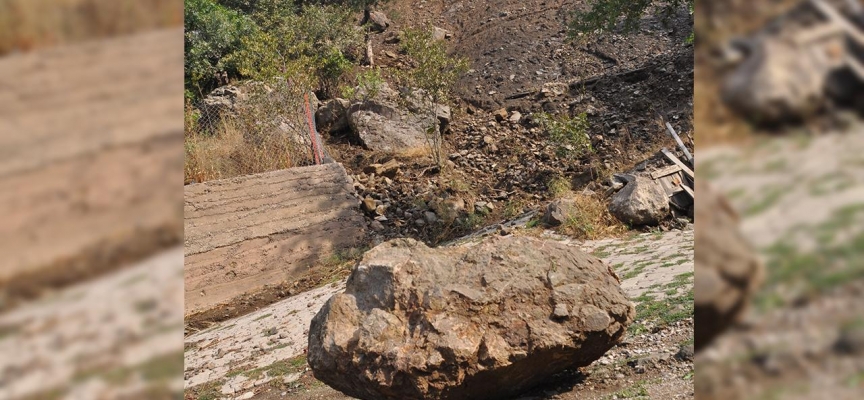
<point x="434" y="71"/>
<point x="569" y="135"/>
<point x="368" y="85"/>
<point x="212" y="33"/>
<point x="604" y="14"/>
<point x="312" y="44"/>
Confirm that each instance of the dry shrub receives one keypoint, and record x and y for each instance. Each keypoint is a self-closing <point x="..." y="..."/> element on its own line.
<point x="591" y="219"/>
<point x="229" y="153"/>
<point x="29" y="24"/>
<point x="267" y="131"/>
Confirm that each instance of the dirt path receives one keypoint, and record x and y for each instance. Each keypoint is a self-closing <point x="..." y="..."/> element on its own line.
<point x="801" y="200"/>
<point x="261" y="355"/>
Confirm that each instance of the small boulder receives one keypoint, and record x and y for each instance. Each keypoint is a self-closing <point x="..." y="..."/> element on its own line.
<point x="382" y="123"/>
<point x="378" y="21"/>
<point x="559" y="211"/>
<point x="369" y="205"/>
<point x="485" y="320"/>
<point x="641" y="202"/>
<point x="333" y="115"/>
<point x="500" y="114"/>
<point x="439" y="33"/>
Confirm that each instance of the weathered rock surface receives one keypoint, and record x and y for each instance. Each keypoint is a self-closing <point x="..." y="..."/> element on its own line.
<point x="333" y="115"/>
<point x="780" y="81"/>
<point x="727" y="269"/>
<point x="641" y="201"/>
<point x="222" y="102"/>
<point x="382" y="124"/>
<point x="482" y="320"/>
<point x="86" y="160"/>
<point x="557" y="212"/>
<point x="378" y="21"/>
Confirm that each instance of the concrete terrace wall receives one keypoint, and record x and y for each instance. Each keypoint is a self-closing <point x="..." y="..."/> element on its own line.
<point x="87" y="159"/>
<point x="244" y="233"/>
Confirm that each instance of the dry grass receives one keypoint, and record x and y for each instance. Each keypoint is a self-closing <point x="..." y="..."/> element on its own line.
<point x="227" y="153"/>
<point x="591" y="219"/>
<point x="559" y="187"/>
<point x="30" y="24"/>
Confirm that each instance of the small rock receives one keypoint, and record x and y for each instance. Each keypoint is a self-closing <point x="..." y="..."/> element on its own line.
<point x="685" y="352"/>
<point x="388" y="169"/>
<point x="376" y="226"/>
<point x="381" y="209"/>
<point x="439" y="33"/>
<point x="430" y="217"/>
<point x="420" y="222"/>
<point x="378" y="21"/>
<point x="500" y="114"/>
<point x="515" y="117"/>
<point x="369" y="205"/>
<point x="561" y="311"/>
<point x="851" y="340"/>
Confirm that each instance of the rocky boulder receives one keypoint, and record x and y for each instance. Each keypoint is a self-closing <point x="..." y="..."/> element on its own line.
<point x="382" y="123"/>
<point x="333" y="115"/>
<point x="484" y="320"/>
<point x="378" y="21"/>
<point x="220" y="103"/>
<point x="727" y="269"/>
<point x="559" y="211"/>
<point x="641" y="202"/>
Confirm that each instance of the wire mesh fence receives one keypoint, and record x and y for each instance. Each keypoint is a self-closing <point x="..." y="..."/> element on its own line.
<point x="251" y="128"/>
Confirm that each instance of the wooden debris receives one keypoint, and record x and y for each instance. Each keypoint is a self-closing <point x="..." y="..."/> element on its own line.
<point x="680" y="143"/>
<point x="665" y="171"/>
<point x="678" y="162"/>
<point x="837" y="19"/>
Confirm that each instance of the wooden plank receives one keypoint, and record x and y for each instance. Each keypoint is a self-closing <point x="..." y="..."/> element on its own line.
<point x="689" y="191"/>
<point x="678" y="162"/>
<point x="248" y="232"/>
<point x="680" y="143"/>
<point x="817" y="33"/>
<point x="836" y="18"/>
<point x="665" y="171"/>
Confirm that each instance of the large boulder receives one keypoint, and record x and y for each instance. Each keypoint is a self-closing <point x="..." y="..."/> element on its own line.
<point x="727" y="269"/>
<point x="484" y="320"/>
<point x="382" y="123"/>
<point x="641" y="202"/>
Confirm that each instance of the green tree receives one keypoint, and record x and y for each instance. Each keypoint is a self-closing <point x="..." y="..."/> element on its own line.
<point x="213" y="32"/>
<point x="434" y="72"/>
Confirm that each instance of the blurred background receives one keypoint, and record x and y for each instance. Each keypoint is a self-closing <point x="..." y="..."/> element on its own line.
<point x="91" y="161"/>
<point x="779" y="245"/>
